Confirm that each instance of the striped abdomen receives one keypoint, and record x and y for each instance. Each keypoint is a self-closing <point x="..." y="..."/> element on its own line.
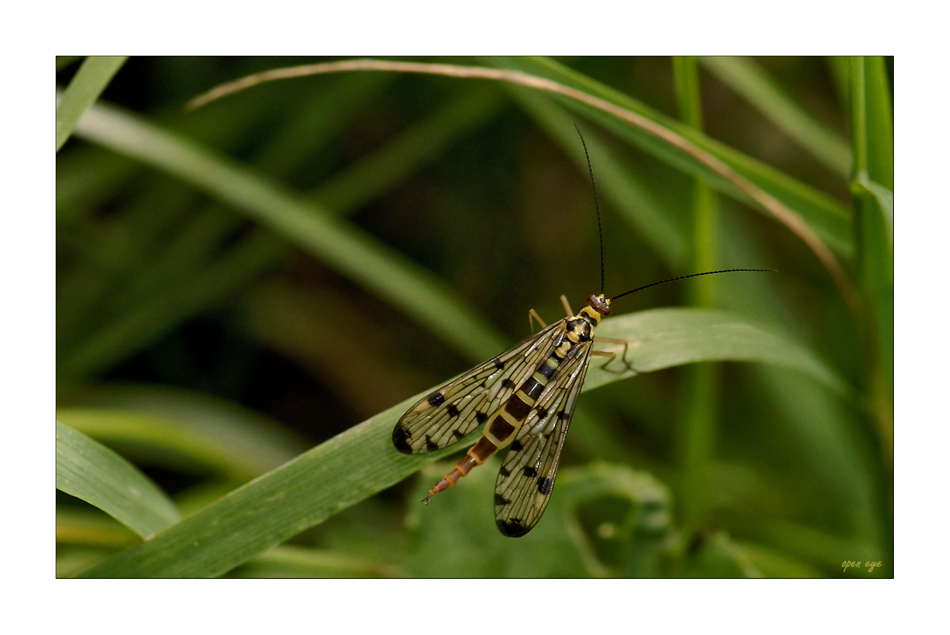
<point x="504" y="424"/>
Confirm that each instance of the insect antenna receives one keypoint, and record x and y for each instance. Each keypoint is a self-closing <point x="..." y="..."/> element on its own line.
<point x="600" y="228"/>
<point x="692" y="275"/>
<point x="600" y="234"/>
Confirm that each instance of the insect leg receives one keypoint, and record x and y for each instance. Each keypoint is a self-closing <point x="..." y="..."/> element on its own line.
<point x="532" y="316"/>
<point x="567" y="306"/>
<point x="612" y="356"/>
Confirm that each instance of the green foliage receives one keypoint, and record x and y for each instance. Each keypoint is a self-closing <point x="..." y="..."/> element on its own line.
<point x="313" y="251"/>
<point x="88" y="470"/>
<point x="93" y="76"/>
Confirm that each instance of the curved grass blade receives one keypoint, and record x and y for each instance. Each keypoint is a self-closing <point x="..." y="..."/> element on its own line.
<point x="377" y="267"/>
<point x="362" y="461"/>
<point x="195" y="428"/>
<point x="661" y="338"/>
<point x="680" y="145"/>
<point x="88" y="470"/>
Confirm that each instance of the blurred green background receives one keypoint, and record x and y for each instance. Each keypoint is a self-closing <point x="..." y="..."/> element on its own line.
<point x="239" y="283"/>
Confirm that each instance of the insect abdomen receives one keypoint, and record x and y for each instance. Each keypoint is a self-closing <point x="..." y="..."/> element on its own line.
<point x="513" y="413"/>
<point x="504" y="425"/>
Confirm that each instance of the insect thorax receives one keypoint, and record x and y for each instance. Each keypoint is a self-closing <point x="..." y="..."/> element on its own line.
<point x="583" y="325"/>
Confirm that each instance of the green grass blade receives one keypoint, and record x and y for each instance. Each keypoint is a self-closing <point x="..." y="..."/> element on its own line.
<point x="419" y="145"/>
<point x="198" y="429"/>
<point x="809" y="213"/>
<point x="822" y="227"/>
<point x="749" y="80"/>
<point x="83" y="91"/>
<point x="825" y="216"/>
<point x="162" y="285"/>
<point x="885" y="202"/>
<point x="879" y="119"/>
<point x="88" y="470"/>
<point x="357" y="255"/>
<point x="873" y="147"/>
<point x="628" y="197"/>
<point x="360" y="462"/>
<point x="662" y="338"/>
<point x="696" y="441"/>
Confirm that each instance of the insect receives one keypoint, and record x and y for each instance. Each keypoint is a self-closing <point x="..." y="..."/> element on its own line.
<point x="527" y="396"/>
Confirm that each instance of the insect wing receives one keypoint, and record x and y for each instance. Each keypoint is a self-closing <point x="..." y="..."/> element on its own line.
<point x="526" y="479"/>
<point x="450" y="413"/>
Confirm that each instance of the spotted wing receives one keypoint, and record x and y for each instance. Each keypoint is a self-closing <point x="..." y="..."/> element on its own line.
<point x="450" y="413"/>
<point x="526" y="479"/>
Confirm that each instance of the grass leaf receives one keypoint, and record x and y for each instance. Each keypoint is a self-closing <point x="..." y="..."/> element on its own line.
<point x="91" y="79"/>
<point x="88" y="470"/>
<point x="341" y="246"/>
<point x="360" y="462"/>
<point x="747" y="78"/>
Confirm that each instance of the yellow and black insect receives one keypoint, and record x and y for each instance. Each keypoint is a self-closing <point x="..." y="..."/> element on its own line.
<point x="527" y="396"/>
